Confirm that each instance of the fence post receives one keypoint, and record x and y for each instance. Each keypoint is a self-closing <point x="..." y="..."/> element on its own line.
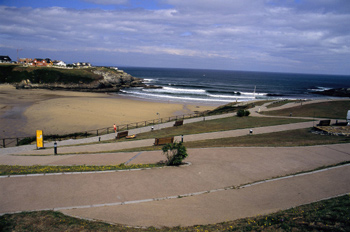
<point x="117" y="128"/>
<point x="145" y="123"/>
<point x="107" y="130"/>
<point x="3" y="143"/>
<point x="136" y="125"/>
<point x="17" y="141"/>
<point x="127" y="126"/>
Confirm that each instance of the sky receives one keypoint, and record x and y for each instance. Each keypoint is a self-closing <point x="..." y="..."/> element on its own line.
<point x="298" y="36"/>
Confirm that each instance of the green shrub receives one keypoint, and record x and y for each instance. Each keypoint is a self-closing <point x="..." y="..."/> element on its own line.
<point x="175" y="153"/>
<point x="241" y="113"/>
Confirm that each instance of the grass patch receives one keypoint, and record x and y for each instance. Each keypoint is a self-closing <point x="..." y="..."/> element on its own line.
<point x="16" y="73"/>
<point x="291" y="138"/>
<point x="327" y="215"/>
<point x="280" y="103"/>
<point x="331" y="109"/>
<point x="35" y="169"/>
<point x="222" y="124"/>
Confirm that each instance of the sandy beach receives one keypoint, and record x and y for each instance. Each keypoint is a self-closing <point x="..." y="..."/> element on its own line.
<point x="22" y="112"/>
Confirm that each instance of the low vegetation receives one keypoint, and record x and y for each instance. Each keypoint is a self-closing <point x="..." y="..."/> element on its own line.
<point x="291" y="138"/>
<point x="15" y="74"/>
<point x="281" y="103"/>
<point x="242" y="113"/>
<point x="328" y="215"/>
<point x="21" y="170"/>
<point x="331" y="109"/>
<point x="175" y="153"/>
<point x="222" y="124"/>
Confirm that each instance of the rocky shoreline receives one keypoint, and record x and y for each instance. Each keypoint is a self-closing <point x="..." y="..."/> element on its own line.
<point x="341" y="92"/>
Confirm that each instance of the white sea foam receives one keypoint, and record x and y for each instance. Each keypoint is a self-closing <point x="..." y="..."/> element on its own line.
<point x="176" y="98"/>
<point x="256" y="94"/>
<point x="319" y="89"/>
<point x="176" y="90"/>
<point x="149" y="80"/>
<point x="230" y="96"/>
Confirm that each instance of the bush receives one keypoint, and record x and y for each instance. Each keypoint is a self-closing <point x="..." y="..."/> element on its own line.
<point x="175" y="153"/>
<point x="241" y="113"/>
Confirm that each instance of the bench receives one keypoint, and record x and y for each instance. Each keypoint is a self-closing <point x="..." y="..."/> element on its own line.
<point x="163" y="141"/>
<point x="179" y="123"/>
<point x="324" y="123"/>
<point x="122" y="134"/>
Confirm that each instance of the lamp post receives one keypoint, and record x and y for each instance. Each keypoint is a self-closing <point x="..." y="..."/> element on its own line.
<point x="55" y="148"/>
<point x="158" y="120"/>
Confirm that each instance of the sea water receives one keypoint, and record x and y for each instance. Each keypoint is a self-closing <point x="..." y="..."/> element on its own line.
<point x="221" y="86"/>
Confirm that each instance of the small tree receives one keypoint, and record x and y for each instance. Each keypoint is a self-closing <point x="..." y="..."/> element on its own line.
<point x="175" y="153"/>
<point x="241" y="113"/>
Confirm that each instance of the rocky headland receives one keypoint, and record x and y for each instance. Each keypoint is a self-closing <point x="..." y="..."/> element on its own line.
<point x="95" y="79"/>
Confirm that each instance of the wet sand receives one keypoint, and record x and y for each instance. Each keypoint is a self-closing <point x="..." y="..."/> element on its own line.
<point x="22" y="112"/>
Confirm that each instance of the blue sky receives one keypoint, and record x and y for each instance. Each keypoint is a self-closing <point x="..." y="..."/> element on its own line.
<point x="88" y="4"/>
<point x="302" y="36"/>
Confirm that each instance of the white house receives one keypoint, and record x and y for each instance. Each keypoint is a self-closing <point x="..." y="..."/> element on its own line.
<point x="60" y="63"/>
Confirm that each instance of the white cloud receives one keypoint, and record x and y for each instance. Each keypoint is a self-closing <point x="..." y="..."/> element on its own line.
<point x="107" y="2"/>
<point x="267" y="31"/>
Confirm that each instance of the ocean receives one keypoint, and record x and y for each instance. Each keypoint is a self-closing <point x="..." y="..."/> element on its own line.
<point x="217" y="87"/>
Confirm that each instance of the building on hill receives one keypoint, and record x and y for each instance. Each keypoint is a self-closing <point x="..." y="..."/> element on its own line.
<point x="27" y="61"/>
<point x="42" y="62"/>
<point x="59" y="63"/>
<point x="82" y="64"/>
<point x="48" y="61"/>
<point x="39" y="62"/>
<point x="5" y="59"/>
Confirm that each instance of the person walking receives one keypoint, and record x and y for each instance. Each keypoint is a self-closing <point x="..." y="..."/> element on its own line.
<point x="115" y="128"/>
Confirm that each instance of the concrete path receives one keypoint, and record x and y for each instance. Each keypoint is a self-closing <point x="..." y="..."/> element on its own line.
<point x="103" y="147"/>
<point x="213" y="188"/>
<point x="219" y="206"/>
<point x="28" y="148"/>
<point x="103" y="195"/>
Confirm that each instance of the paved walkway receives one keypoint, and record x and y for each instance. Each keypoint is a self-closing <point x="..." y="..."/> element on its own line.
<point x="107" y="196"/>
<point x="151" y="197"/>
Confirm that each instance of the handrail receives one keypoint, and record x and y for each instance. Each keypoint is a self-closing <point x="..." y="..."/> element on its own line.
<point x="6" y="142"/>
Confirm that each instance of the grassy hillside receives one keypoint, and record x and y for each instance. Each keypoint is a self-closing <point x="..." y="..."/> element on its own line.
<point x="15" y="74"/>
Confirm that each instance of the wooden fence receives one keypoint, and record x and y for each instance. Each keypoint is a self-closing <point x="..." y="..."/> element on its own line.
<point x="11" y="142"/>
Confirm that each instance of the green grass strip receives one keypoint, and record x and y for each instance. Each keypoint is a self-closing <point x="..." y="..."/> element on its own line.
<point x="38" y="169"/>
<point x="331" y="109"/>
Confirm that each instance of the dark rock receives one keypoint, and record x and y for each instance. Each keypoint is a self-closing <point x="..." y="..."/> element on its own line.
<point x="341" y="92"/>
<point x="152" y="87"/>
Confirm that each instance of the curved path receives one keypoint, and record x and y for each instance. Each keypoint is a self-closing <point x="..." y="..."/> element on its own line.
<point x="210" y="190"/>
